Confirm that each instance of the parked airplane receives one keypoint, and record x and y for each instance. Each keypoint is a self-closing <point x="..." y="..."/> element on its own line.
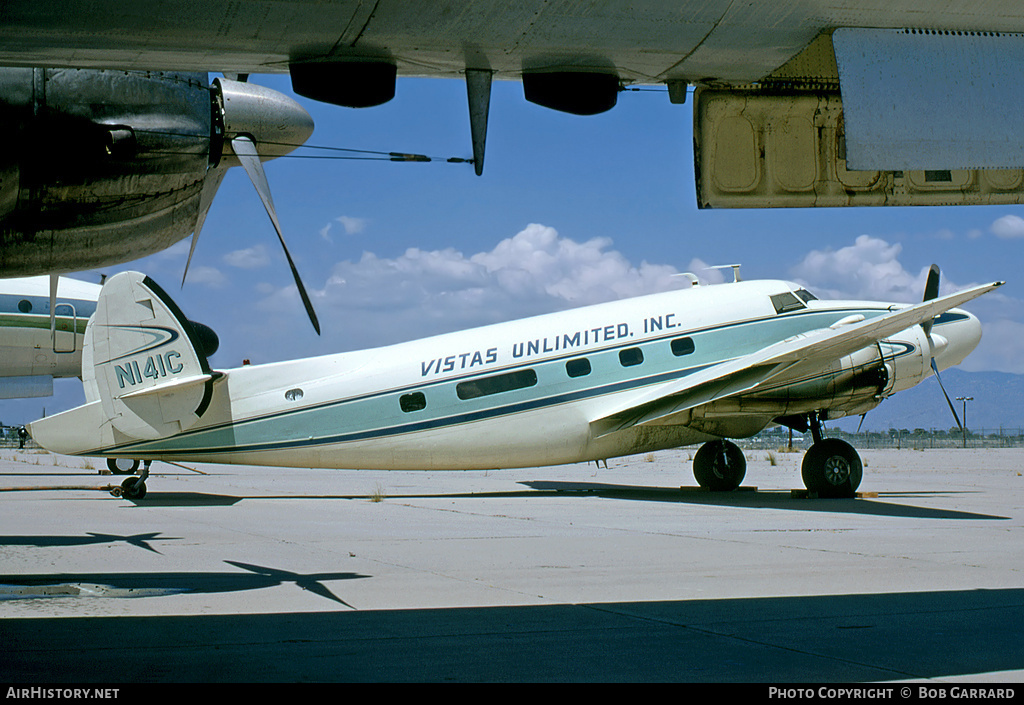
<point x="31" y="353"/>
<point x="694" y="365"/>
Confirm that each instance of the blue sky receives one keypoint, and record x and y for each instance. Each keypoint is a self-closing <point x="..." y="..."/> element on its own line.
<point x="570" y="210"/>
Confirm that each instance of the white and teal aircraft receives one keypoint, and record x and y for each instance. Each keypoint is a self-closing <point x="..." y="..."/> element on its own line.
<point x="42" y="330"/>
<point x="696" y="365"/>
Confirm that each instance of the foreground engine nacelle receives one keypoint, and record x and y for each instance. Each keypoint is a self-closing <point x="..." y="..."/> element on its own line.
<point x="104" y="167"/>
<point x="852" y="384"/>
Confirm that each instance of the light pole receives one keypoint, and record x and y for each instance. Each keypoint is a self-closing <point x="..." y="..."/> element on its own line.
<point x="965" y="400"/>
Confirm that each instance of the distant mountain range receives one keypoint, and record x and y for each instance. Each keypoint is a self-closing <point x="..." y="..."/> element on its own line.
<point x="998" y="402"/>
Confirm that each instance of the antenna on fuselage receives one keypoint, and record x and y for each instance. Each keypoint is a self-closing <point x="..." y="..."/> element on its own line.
<point x="735" y="271"/>
<point x="694" y="281"/>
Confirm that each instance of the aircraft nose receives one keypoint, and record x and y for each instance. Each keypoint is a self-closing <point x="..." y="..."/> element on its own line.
<point x="276" y="123"/>
<point x="962" y="331"/>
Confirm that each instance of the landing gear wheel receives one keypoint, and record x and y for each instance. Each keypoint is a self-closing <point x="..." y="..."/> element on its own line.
<point x="832" y="468"/>
<point x="122" y="466"/>
<point x="719" y="466"/>
<point x="133" y="488"/>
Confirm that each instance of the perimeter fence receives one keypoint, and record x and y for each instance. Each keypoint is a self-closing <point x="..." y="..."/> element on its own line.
<point x="917" y="439"/>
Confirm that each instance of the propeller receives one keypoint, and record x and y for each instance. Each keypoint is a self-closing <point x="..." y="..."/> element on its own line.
<point x="252" y="124"/>
<point x="931" y="291"/>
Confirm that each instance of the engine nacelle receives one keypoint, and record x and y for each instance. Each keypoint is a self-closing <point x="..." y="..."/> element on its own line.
<point x="104" y="167"/>
<point x="852" y="384"/>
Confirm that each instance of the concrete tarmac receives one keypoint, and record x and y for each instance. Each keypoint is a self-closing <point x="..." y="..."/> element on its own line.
<point x="571" y="573"/>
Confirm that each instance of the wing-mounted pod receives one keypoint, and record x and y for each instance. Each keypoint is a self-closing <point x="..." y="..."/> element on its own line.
<point x="143" y="360"/>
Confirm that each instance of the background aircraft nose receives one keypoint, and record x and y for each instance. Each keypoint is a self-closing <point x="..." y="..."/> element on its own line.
<point x="962" y="330"/>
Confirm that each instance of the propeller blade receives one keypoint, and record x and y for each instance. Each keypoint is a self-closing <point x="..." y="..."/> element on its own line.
<point x="935" y="369"/>
<point x="931" y="287"/>
<point x="931" y="291"/>
<point x="54" y="281"/>
<point x="214" y="177"/>
<point x="245" y="150"/>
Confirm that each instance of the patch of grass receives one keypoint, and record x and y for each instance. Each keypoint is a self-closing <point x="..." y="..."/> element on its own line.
<point x="378" y="494"/>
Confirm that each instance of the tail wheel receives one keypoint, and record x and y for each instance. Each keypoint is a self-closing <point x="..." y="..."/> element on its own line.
<point x="133" y="488"/>
<point x="832" y="468"/>
<point x="122" y="466"/>
<point x="719" y="466"/>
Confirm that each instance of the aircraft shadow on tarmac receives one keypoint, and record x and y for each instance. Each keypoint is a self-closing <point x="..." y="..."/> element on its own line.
<point x="90" y="539"/>
<point x="758" y="499"/>
<point x="830" y="638"/>
<point x="158" y="584"/>
<point x="744" y="497"/>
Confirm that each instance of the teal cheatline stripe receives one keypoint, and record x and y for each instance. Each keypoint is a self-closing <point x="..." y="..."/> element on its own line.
<point x="40" y="305"/>
<point x="63" y="323"/>
<point x="229" y="437"/>
<point x="160" y="447"/>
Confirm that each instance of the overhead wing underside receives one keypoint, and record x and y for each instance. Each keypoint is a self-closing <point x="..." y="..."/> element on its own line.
<point x="788" y="360"/>
<point x="800" y="103"/>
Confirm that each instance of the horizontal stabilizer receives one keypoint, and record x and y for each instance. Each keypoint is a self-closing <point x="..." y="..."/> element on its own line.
<point x="142" y="360"/>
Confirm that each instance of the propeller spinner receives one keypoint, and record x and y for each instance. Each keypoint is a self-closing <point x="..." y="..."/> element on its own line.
<point x="252" y="124"/>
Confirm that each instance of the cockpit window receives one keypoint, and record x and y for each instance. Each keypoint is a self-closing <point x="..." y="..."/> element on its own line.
<point x="786" y="302"/>
<point x="805" y="295"/>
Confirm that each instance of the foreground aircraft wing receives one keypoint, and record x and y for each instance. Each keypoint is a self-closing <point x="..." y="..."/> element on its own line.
<point x="922" y="96"/>
<point x="788" y="359"/>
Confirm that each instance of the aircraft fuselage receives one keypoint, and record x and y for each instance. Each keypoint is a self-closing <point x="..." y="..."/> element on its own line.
<point x="526" y="392"/>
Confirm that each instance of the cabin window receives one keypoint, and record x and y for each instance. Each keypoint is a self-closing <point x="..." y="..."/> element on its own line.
<point x="578" y="367"/>
<point x="682" y="346"/>
<point x="786" y="302"/>
<point x="630" y="357"/>
<point x="413" y="402"/>
<point x="293" y="394"/>
<point x="25" y="306"/>
<point x="485" y="386"/>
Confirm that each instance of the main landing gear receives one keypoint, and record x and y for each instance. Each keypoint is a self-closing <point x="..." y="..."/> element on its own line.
<point x="719" y="466"/>
<point x="831" y="467"/>
<point x="133" y="487"/>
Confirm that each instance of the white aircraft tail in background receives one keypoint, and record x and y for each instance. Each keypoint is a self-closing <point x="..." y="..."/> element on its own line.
<point x="697" y="365"/>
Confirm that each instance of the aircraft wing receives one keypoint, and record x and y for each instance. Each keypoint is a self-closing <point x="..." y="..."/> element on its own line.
<point x="780" y="84"/>
<point x="788" y="359"/>
<point x="645" y="42"/>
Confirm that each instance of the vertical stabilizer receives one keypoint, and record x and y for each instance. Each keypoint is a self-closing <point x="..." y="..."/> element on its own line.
<point x="142" y="360"/>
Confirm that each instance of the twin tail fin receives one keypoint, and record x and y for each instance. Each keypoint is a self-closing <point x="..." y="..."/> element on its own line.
<point x="144" y="361"/>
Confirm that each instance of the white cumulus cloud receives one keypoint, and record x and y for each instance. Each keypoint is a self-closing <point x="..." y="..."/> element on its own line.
<point x="377" y="300"/>
<point x="870" y="269"/>
<point x="253" y="257"/>
<point x="1008" y="227"/>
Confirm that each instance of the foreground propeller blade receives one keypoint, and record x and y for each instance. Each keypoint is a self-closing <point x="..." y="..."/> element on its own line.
<point x="214" y="177"/>
<point x="54" y="281"/>
<point x="245" y="150"/>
